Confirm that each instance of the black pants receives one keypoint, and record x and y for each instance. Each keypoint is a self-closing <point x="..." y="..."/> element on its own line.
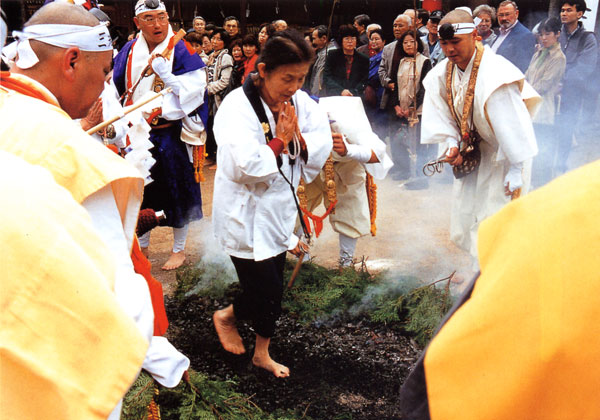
<point x="211" y="144"/>
<point x="400" y="148"/>
<point x="572" y="98"/>
<point x="262" y="291"/>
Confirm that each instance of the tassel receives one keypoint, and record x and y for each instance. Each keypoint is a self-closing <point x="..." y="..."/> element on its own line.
<point x="199" y="157"/>
<point x="153" y="407"/>
<point x="372" y="198"/>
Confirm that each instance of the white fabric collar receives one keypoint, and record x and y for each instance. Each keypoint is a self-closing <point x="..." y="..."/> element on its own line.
<point x="139" y="61"/>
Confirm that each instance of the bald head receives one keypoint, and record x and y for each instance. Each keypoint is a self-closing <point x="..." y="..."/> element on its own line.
<point x="458" y="37"/>
<point x="62" y="13"/>
<point x="457" y="16"/>
<point x="75" y="77"/>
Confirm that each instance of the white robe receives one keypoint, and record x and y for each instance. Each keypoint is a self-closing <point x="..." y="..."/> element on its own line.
<point x="352" y="217"/>
<point x="253" y="208"/>
<point x="501" y="115"/>
<point x="174" y="107"/>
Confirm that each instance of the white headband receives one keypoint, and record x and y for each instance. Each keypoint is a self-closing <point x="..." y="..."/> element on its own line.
<point x="86" y="38"/>
<point x="141" y="7"/>
<point x="461" y="28"/>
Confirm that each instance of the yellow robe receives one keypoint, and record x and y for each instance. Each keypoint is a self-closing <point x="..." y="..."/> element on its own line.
<point x="526" y="344"/>
<point x="43" y="134"/>
<point x="67" y="349"/>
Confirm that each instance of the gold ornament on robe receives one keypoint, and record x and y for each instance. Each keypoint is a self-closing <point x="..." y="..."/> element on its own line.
<point x="330" y="182"/>
<point x="372" y="197"/>
<point x="265" y="127"/>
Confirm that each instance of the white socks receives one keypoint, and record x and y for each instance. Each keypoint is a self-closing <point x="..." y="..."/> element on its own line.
<point x="179" y="238"/>
<point x="347" y="247"/>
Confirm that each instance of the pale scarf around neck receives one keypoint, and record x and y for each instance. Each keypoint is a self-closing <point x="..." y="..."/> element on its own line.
<point x="407" y="80"/>
<point x="139" y="61"/>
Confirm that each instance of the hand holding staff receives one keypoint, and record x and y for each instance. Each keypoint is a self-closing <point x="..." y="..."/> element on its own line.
<point x="127" y="110"/>
<point x="300" y="251"/>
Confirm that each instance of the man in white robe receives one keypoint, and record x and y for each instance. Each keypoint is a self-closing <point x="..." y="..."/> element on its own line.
<point x="357" y="151"/>
<point x="500" y="114"/>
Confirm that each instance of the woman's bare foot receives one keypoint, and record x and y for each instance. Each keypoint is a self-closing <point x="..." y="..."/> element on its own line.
<point x="175" y="261"/>
<point x="229" y="336"/>
<point x="272" y="366"/>
<point x="262" y="358"/>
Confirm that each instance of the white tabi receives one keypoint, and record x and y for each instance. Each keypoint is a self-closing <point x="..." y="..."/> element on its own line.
<point x="174" y="107"/>
<point x="501" y="114"/>
<point x="253" y="208"/>
<point x="351" y="217"/>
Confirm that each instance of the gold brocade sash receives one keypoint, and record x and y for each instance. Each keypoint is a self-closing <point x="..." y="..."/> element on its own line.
<point x="468" y="144"/>
<point x="463" y="122"/>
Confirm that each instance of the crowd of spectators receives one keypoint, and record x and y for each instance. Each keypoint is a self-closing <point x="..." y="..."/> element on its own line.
<point x="356" y="59"/>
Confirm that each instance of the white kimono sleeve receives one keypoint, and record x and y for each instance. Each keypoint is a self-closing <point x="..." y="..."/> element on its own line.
<point x="243" y="154"/>
<point x="131" y="289"/>
<point x="191" y="95"/>
<point x="438" y="125"/>
<point x="509" y="118"/>
<point x="347" y="116"/>
<point x="316" y="132"/>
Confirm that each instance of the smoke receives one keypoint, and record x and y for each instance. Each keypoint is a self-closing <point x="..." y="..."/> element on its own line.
<point x="215" y="266"/>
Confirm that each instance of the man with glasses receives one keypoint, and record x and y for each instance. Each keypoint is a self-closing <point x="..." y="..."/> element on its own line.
<point x="516" y="43"/>
<point x="176" y="126"/>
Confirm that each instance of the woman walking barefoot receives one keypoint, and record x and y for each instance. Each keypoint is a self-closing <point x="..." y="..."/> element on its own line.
<point x="269" y="135"/>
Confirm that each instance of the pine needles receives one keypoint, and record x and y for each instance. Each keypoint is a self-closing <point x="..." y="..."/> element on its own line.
<point x="400" y="302"/>
<point x="202" y="399"/>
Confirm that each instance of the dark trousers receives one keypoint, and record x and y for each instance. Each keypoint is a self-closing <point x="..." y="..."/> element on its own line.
<point x="211" y="144"/>
<point x="262" y="291"/>
<point x="400" y="149"/>
<point x="547" y="141"/>
<point x="567" y="120"/>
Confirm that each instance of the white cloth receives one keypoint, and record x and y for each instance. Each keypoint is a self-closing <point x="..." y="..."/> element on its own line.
<point x="165" y="363"/>
<point x="501" y="115"/>
<point x="347" y="248"/>
<point x="253" y="208"/>
<point x="140" y="7"/>
<point x="179" y="238"/>
<point x="86" y="38"/>
<point x="131" y="288"/>
<point x="347" y="116"/>
<point x="351" y="217"/>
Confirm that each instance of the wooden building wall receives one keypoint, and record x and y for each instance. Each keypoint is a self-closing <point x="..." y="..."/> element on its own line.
<point x="298" y="13"/>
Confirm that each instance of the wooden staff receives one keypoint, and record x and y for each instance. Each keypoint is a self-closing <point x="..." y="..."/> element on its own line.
<point x="127" y="110"/>
<point x="296" y="270"/>
<point x="176" y="38"/>
<point x="148" y="69"/>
